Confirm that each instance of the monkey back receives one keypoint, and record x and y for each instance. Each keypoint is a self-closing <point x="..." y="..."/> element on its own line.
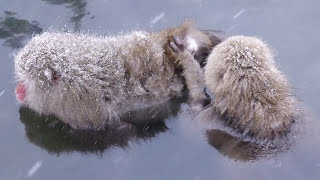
<point x="93" y="79"/>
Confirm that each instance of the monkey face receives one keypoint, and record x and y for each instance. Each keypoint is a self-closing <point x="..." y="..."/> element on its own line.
<point x="21" y="91"/>
<point x="37" y="88"/>
<point x="47" y="93"/>
<point x="25" y="82"/>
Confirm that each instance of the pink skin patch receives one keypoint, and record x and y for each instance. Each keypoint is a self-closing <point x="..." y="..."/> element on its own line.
<point x="21" y="92"/>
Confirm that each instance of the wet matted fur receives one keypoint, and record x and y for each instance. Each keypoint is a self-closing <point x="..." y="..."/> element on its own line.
<point x="90" y="81"/>
<point x="250" y="92"/>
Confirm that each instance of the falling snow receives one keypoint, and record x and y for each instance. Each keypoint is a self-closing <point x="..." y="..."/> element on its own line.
<point x="2" y="92"/>
<point x="157" y="18"/>
<point x="239" y="14"/>
<point x="34" y="168"/>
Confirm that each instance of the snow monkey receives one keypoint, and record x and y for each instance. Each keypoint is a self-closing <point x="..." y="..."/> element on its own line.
<point x="251" y="94"/>
<point x="90" y="82"/>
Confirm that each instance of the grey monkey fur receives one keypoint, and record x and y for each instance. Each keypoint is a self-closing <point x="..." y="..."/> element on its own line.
<point x="90" y="81"/>
<point x="251" y="94"/>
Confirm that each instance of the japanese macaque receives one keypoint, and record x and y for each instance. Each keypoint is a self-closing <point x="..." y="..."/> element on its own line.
<point x="251" y="94"/>
<point x="91" y="82"/>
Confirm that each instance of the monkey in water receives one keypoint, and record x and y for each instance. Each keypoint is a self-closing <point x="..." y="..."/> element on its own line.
<point x="90" y="82"/>
<point x="251" y="94"/>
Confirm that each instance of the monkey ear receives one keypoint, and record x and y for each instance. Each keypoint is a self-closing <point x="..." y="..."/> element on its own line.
<point x="216" y="37"/>
<point x="51" y="75"/>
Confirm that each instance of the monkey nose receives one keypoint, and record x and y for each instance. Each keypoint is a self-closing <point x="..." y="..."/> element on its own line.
<point x="21" y="92"/>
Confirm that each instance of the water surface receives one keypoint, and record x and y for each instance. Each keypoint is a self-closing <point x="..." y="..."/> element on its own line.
<point x="181" y="148"/>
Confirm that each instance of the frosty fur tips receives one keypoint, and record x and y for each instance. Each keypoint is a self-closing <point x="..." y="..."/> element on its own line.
<point x="252" y="95"/>
<point x="90" y="81"/>
<point x="93" y="88"/>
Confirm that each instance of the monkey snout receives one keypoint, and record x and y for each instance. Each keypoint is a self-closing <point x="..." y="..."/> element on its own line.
<point x="21" y="91"/>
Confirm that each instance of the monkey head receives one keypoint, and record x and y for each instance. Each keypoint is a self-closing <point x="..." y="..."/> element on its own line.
<point x="46" y="87"/>
<point x="198" y="42"/>
<point x="254" y="96"/>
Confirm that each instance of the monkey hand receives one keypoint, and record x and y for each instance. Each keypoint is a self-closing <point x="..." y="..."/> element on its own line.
<point x="199" y="101"/>
<point x="178" y="50"/>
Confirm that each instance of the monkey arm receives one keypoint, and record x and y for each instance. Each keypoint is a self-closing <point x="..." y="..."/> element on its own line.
<point x="192" y="73"/>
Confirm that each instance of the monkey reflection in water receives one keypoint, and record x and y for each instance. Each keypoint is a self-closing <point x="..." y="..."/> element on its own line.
<point x="240" y="149"/>
<point x="56" y="137"/>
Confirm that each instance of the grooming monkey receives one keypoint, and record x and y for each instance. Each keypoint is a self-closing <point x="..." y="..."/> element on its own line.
<point x="90" y="82"/>
<point x="251" y="94"/>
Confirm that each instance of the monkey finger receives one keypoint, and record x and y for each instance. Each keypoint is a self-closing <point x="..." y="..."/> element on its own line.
<point x="174" y="46"/>
<point x="170" y="50"/>
<point x="177" y="40"/>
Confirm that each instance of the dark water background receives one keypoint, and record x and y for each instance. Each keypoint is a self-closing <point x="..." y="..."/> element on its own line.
<point x="31" y="149"/>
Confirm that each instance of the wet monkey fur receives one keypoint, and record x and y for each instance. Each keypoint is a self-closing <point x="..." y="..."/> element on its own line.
<point x="90" y="82"/>
<point x="252" y="95"/>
